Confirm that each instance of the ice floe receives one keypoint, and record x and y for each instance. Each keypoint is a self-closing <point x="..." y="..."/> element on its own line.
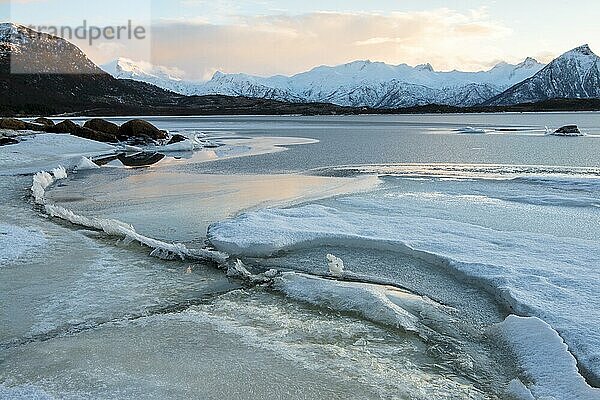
<point x="85" y="164"/>
<point x="533" y="274"/>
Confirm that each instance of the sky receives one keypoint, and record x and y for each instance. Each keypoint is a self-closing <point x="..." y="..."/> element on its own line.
<point x="195" y="38"/>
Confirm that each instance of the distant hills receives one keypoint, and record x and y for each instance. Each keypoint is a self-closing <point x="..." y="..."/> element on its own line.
<point x="58" y="78"/>
<point x="573" y="75"/>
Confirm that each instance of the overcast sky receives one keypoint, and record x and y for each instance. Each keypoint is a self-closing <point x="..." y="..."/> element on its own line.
<point x="266" y="37"/>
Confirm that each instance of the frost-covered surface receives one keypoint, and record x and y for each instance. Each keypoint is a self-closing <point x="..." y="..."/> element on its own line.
<point x="359" y="83"/>
<point x="573" y="75"/>
<point x="45" y="151"/>
<point x="23" y="392"/>
<point x="549" y="370"/>
<point x="554" y="278"/>
<point x="16" y="241"/>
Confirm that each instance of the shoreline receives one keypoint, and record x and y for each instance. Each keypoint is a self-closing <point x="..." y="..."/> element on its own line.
<point x="277" y="108"/>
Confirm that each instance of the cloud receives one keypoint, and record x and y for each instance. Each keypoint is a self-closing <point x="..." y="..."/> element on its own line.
<point x="287" y="44"/>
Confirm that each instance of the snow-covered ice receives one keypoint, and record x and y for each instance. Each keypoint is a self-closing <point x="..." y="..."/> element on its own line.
<point x="535" y="274"/>
<point x="46" y="151"/>
<point x="16" y="241"/>
<point x="550" y="370"/>
<point x="378" y="303"/>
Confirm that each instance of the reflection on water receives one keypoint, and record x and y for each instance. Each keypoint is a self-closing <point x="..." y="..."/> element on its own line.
<point x="180" y="206"/>
<point x="132" y="160"/>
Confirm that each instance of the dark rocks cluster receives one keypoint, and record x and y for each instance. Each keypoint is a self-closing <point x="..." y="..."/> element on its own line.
<point x="134" y="132"/>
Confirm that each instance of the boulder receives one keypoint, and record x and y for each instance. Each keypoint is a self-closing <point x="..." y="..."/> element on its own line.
<point x="13" y="124"/>
<point x="177" y="139"/>
<point x="18" y="125"/>
<point x="569" y="130"/>
<point x="138" y="128"/>
<point x="5" y="141"/>
<point x="44" y="122"/>
<point x="66" y="126"/>
<point x="101" y="125"/>
<point x="88" y="133"/>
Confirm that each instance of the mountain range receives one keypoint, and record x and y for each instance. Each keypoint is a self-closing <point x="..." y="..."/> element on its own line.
<point x="42" y="74"/>
<point x="356" y="84"/>
<point x="378" y="85"/>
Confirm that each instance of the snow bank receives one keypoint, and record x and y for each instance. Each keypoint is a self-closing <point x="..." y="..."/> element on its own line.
<point x="540" y="275"/>
<point x="16" y="241"/>
<point x="549" y="370"/>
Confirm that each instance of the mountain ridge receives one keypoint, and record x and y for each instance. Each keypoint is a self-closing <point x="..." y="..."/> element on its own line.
<point x="360" y="83"/>
<point x="574" y="74"/>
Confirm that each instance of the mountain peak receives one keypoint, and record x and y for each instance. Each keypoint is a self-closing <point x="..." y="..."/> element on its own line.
<point x="581" y="50"/>
<point x="500" y="65"/>
<point x="8" y="31"/>
<point x="25" y="51"/>
<point x="218" y="75"/>
<point x="424" y="67"/>
<point x="573" y="75"/>
<point x="529" y="62"/>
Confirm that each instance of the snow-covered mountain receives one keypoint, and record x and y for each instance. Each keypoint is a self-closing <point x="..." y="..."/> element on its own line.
<point x="376" y="84"/>
<point x="163" y="77"/>
<point x="359" y="83"/>
<point x="23" y="50"/>
<point x="573" y="75"/>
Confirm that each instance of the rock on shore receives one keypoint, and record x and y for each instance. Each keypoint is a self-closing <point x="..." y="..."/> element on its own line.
<point x="135" y="132"/>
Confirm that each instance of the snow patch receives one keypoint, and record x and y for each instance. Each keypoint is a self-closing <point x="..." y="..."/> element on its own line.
<point x="377" y="303"/>
<point x="336" y="265"/>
